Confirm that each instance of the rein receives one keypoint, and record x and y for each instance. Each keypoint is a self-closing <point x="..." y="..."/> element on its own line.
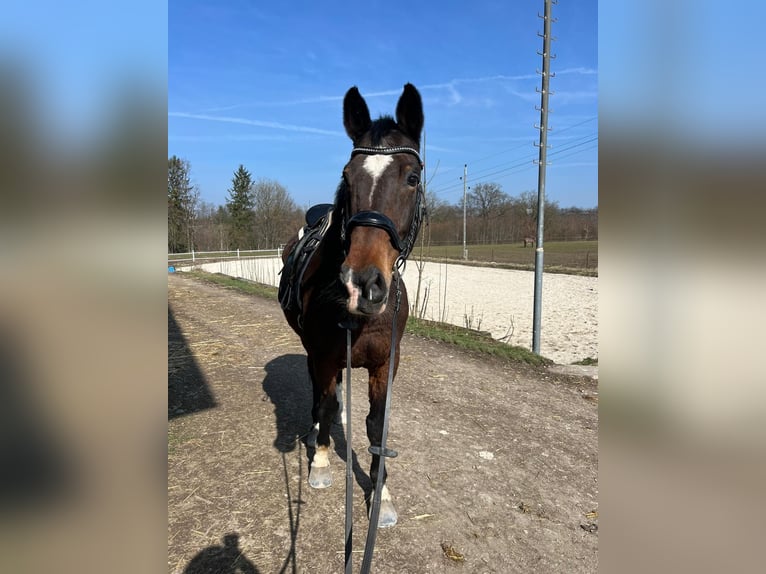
<point x="381" y="451"/>
<point x="404" y="246"/>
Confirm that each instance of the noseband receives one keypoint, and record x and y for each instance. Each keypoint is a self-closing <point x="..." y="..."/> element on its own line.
<point x="382" y="221"/>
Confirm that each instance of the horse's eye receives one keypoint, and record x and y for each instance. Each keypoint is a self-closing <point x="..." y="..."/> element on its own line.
<point x="413" y="180"/>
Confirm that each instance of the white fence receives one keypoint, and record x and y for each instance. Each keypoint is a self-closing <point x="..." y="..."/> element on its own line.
<point x="261" y="266"/>
<point x="195" y="257"/>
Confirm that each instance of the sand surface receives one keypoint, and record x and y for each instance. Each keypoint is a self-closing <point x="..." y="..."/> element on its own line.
<point x="499" y="301"/>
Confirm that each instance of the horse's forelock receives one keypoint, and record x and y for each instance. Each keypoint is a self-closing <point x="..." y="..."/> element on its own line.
<point x="385" y="132"/>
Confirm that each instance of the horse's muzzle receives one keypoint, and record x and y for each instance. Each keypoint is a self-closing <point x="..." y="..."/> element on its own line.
<point x="367" y="290"/>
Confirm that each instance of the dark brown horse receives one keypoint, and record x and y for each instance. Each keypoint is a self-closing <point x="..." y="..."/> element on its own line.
<point x="347" y="277"/>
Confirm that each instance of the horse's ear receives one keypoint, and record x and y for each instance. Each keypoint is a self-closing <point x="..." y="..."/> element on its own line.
<point x="409" y="112"/>
<point x="356" y="115"/>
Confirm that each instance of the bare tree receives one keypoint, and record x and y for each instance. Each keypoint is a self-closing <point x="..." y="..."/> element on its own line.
<point x="275" y="213"/>
<point x="488" y="203"/>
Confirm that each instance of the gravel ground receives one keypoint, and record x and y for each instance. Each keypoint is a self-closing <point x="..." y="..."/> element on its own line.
<point x="497" y="468"/>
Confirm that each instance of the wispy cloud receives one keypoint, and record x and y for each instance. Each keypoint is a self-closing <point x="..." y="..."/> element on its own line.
<point x="558" y="97"/>
<point x="229" y="138"/>
<point x="257" y="123"/>
<point x="580" y="70"/>
<point x="451" y="86"/>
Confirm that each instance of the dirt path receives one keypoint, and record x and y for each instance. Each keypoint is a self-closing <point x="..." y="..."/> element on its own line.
<point x="497" y="462"/>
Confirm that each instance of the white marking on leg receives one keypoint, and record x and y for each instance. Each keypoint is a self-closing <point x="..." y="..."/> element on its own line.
<point x="321" y="457"/>
<point x="384" y="494"/>
<point x="375" y="165"/>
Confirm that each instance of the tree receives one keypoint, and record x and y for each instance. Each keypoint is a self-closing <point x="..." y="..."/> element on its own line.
<point x="240" y="207"/>
<point x="182" y="204"/>
<point x="488" y="203"/>
<point x="276" y="215"/>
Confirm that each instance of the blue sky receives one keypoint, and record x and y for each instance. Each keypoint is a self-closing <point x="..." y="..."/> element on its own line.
<point x="262" y="84"/>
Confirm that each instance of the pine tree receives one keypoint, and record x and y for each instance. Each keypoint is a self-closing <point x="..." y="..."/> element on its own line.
<point x="182" y="203"/>
<point x="240" y="207"/>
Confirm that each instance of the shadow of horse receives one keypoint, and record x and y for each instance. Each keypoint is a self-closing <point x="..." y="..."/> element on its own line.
<point x="288" y="387"/>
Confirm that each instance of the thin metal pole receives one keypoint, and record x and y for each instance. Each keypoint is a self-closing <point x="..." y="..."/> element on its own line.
<point x="465" y="178"/>
<point x="538" y="300"/>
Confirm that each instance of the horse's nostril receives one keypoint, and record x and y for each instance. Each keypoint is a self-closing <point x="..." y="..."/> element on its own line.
<point x="372" y="285"/>
<point x="375" y="289"/>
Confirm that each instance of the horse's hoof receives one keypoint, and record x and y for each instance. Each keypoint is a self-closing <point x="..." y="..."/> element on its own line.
<point x="320" y="477"/>
<point x="387" y="517"/>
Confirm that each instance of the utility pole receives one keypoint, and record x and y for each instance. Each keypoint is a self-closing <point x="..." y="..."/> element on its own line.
<point x="543" y="145"/>
<point x="465" y="204"/>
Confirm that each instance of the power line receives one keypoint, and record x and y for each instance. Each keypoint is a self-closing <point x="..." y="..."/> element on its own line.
<point x="483" y="175"/>
<point x="525" y="144"/>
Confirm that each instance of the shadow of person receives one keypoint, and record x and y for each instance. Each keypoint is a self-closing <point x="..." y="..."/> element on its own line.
<point x="226" y="559"/>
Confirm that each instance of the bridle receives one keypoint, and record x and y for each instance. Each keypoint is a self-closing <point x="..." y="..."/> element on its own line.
<point x="381" y="220"/>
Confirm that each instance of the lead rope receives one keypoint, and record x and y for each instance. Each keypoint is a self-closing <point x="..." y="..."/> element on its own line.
<point x="382" y="451"/>
<point x="349" y="459"/>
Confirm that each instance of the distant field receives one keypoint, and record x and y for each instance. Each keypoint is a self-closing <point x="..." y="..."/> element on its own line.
<point x="579" y="255"/>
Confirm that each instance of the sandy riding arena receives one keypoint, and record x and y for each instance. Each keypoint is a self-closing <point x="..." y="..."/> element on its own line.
<point x="497" y="468"/>
<point x="499" y="301"/>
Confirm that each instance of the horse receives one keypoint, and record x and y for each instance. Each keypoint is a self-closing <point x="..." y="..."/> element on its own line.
<point x="529" y="241"/>
<point x="343" y="273"/>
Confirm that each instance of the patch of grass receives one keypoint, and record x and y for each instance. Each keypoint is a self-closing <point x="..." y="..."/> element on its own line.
<point x="238" y="284"/>
<point x="473" y="341"/>
<point x="588" y="361"/>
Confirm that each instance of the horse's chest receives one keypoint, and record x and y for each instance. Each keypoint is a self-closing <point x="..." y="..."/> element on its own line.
<point x="371" y="350"/>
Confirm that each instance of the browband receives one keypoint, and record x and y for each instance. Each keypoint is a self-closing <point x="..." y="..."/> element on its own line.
<point x="386" y="151"/>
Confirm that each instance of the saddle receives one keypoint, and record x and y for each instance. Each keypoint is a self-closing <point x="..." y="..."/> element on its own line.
<point x="318" y="219"/>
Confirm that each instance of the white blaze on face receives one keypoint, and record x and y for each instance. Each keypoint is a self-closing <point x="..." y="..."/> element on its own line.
<point x="375" y="165"/>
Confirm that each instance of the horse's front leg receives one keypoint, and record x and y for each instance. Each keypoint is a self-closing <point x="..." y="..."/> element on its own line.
<point x="375" y="419"/>
<point x="325" y="407"/>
